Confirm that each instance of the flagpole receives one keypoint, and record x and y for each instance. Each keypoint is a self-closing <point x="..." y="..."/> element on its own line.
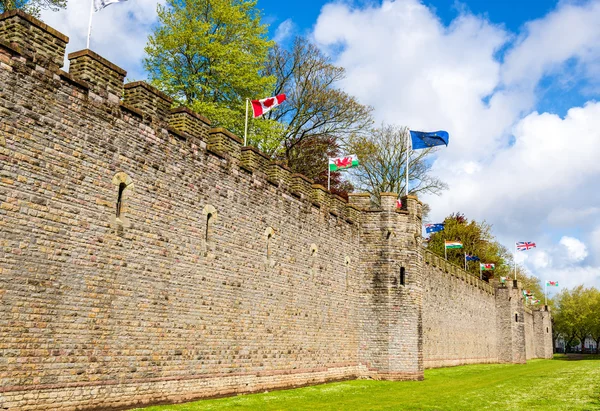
<point x="445" y="251"/>
<point x="246" y="126"/>
<point x="328" y="175"/>
<point x="480" y="273"/>
<point x="515" y="260"/>
<point x="546" y="292"/>
<point x="465" y="261"/>
<point x="90" y="26"/>
<point x="407" y="160"/>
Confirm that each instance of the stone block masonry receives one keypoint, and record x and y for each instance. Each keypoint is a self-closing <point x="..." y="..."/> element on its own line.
<point x="146" y="257"/>
<point x="458" y="316"/>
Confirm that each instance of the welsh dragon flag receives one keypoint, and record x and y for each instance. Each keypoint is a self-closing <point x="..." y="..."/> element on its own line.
<point x="341" y="163"/>
<point x="260" y="107"/>
<point x="551" y="283"/>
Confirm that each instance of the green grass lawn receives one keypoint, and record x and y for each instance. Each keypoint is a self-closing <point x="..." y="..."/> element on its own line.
<point x="546" y="385"/>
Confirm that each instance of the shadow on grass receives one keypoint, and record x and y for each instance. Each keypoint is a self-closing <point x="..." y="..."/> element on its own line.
<point x="576" y="357"/>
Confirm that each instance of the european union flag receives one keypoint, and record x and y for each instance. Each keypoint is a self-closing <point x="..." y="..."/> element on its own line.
<point x="421" y="139"/>
<point x="434" y="228"/>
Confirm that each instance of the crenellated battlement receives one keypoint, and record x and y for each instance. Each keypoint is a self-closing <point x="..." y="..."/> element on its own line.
<point x="33" y="39"/>
<point x="105" y="83"/>
<point x="456" y="271"/>
<point x="161" y="260"/>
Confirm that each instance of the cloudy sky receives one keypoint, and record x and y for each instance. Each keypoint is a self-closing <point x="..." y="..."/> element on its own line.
<point x="515" y="86"/>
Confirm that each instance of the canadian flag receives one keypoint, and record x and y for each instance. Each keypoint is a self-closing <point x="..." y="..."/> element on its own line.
<point x="260" y="107"/>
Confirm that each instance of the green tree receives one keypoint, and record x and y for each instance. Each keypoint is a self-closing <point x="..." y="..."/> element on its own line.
<point x="595" y="318"/>
<point x="315" y="152"/>
<point x="576" y="316"/>
<point x="583" y="299"/>
<point x="382" y="155"/>
<point x="210" y="56"/>
<point x="477" y="240"/>
<point x="565" y="318"/>
<point x="33" y="7"/>
<point x="530" y="283"/>
<point x="316" y="110"/>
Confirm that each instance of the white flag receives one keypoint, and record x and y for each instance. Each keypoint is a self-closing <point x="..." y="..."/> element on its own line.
<point x="100" y="4"/>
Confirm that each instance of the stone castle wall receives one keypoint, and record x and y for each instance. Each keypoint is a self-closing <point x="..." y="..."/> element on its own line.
<point x="529" y="335"/>
<point x="146" y="256"/>
<point x="457" y="309"/>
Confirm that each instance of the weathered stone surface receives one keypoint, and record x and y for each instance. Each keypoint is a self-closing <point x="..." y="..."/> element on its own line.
<point x="145" y="257"/>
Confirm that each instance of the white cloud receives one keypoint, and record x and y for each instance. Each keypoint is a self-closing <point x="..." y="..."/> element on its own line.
<point x="571" y="277"/>
<point x="549" y="42"/>
<point x="284" y="31"/>
<point x="594" y="241"/>
<point x="576" y="250"/>
<point x="527" y="173"/>
<point x="563" y="216"/>
<point x="540" y="260"/>
<point x="119" y="31"/>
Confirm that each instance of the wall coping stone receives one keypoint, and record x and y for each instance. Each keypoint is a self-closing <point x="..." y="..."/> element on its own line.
<point x="303" y="177"/>
<point x="13" y="47"/>
<point x="150" y="88"/>
<point x="339" y="197"/>
<point x="73" y="80"/>
<point x="224" y="131"/>
<point x="257" y="151"/>
<point x="183" y="109"/>
<point x="98" y="58"/>
<point x="131" y="109"/>
<point x="35" y="22"/>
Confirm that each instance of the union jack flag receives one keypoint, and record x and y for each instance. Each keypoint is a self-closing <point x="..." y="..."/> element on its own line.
<point x="525" y="245"/>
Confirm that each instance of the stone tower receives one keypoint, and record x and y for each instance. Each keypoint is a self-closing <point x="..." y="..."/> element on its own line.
<point x="510" y="322"/>
<point x="392" y="338"/>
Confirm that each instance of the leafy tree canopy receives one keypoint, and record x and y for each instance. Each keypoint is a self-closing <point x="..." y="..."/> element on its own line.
<point x="210" y="55"/>
<point x="33" y="7"/>
<point x="478" y="240"/>
<point x="382" y="155"/>
<point x="576" y="315"/>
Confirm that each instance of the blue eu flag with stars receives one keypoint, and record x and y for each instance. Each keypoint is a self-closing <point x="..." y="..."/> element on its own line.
<point x="421" y="139"/>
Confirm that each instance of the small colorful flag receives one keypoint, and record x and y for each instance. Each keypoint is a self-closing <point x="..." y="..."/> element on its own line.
<point x="434" y="228"/>
<point x="453" y="244"/>
<point x="525" y="245"/>
<point x="534" y="301"/>
<point x="100" y="4"/>
<point x="260" y="107"/>
<point x="341" y="163"/>
<point x="398" y="203"/>
<point x="470" y="257"/>
<point x="487" y="267"/>
<point x="527" y="293"/>
<point x="552" y="283"/>
<point x="421" y="139"/>
<point x="503" y="280"/>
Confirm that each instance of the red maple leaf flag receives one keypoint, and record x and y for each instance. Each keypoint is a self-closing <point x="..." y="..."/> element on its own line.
<point x="260" y="107"/>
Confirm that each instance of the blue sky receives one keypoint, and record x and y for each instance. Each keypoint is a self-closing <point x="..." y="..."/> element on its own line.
<point x="511" y="13"/>
<point x="516" y="83"/>
<point x="558" y="96"/>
